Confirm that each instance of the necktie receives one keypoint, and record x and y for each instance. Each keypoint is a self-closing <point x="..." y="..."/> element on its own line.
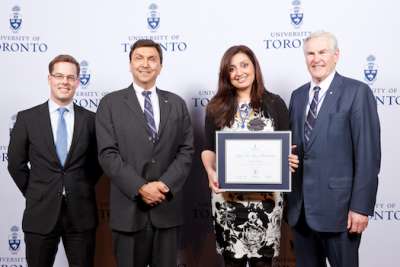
<point x="61" y="140"/>
<point x="312" y="115"/>
<point x="149" y="115"/>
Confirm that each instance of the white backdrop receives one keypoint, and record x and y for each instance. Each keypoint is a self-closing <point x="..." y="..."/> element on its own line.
<point x="194" y="35"/>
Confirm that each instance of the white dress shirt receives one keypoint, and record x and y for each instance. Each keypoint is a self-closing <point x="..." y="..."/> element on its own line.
<point x="154" y="101"/>
<point x="69" y="120"/>
<point x="324" y="85"/>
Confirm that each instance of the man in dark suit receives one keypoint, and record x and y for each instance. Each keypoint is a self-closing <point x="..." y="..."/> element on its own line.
<point x="52" y="158"/>
<point x="145" y="142"/>
<point x="336" y="129"/>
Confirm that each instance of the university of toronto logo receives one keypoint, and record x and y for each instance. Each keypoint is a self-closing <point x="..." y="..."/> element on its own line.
<point x="153" y="19"/>
<point x="370" y="70"/>
<point x="84" y="77"/>
<point x="296" y="16"/>
<point x="14" y="240"/>
<point x="15" y="20"/>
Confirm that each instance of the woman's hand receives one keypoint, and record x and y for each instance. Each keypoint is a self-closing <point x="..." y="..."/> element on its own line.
<point x="293" y="160"/>
<point x="213" y="182"/>
<point x="208" y="158"/>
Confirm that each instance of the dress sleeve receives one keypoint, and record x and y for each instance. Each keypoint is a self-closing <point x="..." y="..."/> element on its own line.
<point x="209" y="133"/>
<point x="277" y="109"/>
<point x="282" y="115"/>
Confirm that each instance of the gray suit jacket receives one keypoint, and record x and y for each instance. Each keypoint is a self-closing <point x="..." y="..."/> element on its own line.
<point x="130" y="159"/>
<point x="339" y="167"/>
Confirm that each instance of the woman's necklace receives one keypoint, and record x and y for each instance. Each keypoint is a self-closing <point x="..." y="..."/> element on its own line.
<point x="244" y="113"/>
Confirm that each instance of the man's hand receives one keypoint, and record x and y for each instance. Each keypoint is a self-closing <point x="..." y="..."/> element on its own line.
<point x="153" y="193"/>
<point x="162" y="187"/>
<point x="356" y="222"/>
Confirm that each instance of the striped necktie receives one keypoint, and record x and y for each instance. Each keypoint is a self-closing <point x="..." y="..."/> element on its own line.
<point x="149" y="115"/>
<point x="62" y="137"/>
<point x="312" y="115"/>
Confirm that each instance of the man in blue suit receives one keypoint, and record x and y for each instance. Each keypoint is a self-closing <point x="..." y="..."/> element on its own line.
<point x="336" y="131"/>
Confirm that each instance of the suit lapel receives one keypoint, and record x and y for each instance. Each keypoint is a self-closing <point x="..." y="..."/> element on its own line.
<point x="78" y="127"/>
<point x="132" y="102"/>
<point x="331" y="97"/>
<point x="45" y="127"/>
<point x="165" y="109"/>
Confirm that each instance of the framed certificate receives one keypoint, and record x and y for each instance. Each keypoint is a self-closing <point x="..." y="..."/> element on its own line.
<point x="253" y="161"/>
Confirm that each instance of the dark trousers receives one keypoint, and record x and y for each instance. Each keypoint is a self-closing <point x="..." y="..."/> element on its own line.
<point x="79" y="247"/>
<point x="312" y="248"/>
<point x="150" y="246"/>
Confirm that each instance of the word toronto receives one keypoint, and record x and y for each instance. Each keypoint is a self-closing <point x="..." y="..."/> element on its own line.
<point x="22" y="44"/>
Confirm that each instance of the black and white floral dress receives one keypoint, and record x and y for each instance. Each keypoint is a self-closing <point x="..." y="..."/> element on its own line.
<point x="248" y="224"/>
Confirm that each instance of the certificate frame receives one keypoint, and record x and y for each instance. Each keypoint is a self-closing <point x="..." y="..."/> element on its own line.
<point x="275" y="179"/>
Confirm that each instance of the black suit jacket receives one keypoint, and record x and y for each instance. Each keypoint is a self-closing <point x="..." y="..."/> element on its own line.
<point x="39" y="175"/>
<point x="130" y="158"/>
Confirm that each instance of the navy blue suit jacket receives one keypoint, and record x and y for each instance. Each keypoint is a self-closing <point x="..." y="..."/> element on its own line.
<point x="339" y="166"/>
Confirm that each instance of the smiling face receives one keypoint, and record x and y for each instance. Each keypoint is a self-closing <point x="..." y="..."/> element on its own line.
<point x="241" y="72"/>
<point x="321" y="57"/>
<point x="63" y="82"/>
<point x="145" y="66"/>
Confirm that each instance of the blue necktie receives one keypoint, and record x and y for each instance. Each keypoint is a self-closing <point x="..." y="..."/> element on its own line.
<point x="312" y="115"/>
<point x="149" y="115"/>
<point x="62" y="136"/>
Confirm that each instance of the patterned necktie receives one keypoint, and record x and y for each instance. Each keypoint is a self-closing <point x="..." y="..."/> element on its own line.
<point x="149" y="115"/>
<point x="312" y="115"/>
<point x="61" y="140"/>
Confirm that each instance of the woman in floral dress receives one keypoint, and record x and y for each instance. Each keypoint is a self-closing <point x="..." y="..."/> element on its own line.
<point x="247" y="224"/>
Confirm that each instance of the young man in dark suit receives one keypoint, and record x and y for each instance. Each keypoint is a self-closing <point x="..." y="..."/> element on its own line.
<point x="145" y="142"/>
<point x="52" y="158"/>
<point x="335" y="127"/>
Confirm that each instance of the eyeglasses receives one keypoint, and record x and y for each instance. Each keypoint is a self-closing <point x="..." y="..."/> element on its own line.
<point x="60" y="77"/>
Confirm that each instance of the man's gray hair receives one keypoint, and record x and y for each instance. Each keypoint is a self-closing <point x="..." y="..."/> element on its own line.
<point x="332" y="39"/>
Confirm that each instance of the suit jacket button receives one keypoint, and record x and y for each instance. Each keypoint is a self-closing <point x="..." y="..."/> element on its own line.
<point x="153" y="161"/>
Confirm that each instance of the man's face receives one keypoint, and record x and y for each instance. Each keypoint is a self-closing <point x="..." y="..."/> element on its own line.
<point x="63" y="82"/>
<point x="321" y="58"/>
<point x="145" y="66"/>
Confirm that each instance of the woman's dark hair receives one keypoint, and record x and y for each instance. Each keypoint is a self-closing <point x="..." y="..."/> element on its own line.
<point x="222" y="107"/>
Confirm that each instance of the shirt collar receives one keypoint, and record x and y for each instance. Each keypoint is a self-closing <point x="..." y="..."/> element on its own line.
<point x="324" y="85"/>
<point x="138" y="89"/>
<point x="53" y="106"/>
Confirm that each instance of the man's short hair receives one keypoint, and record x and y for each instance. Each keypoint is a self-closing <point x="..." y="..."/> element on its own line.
<point x="64" y="58"/>
<point x="332" y="39"/>
<point x="146" y="43"/>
